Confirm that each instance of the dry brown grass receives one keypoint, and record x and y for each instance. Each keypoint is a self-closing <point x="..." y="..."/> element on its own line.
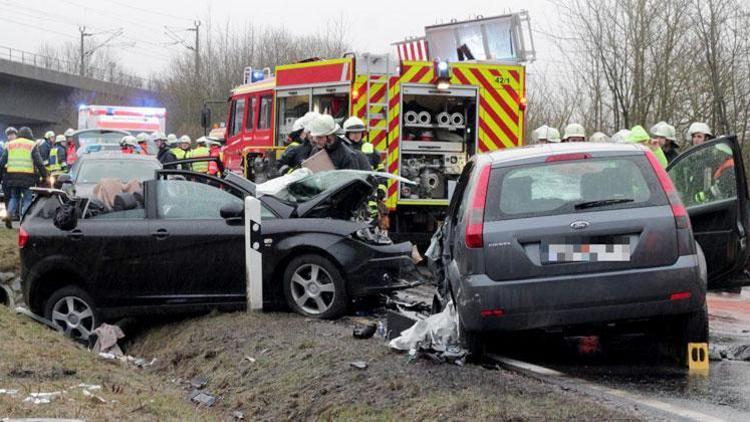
<point x="9" y="258"/>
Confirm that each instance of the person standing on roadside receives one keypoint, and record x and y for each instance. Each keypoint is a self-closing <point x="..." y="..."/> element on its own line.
<point x="21" y="167"/>
<point x="163" y="154"/>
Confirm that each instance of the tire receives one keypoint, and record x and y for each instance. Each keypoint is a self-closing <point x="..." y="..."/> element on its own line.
<point x="72" y="310"/>
<point x="691" y="328"/>
<point x="314" y="287"/>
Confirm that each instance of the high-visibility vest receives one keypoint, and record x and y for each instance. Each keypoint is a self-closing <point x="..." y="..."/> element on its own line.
<point x="20" y="159"/>
<point x="54" y="161"/>
<point x="180" y="153"/>
<point x="200" y="152"/>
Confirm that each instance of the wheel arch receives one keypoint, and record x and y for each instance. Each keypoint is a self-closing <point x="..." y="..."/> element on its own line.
<point x="49" y="276"/>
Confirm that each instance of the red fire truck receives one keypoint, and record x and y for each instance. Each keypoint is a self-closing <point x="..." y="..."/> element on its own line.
<point x="426" y="115"/>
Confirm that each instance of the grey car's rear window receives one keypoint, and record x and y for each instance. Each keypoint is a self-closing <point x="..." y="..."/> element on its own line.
<point x="558" y="187"/>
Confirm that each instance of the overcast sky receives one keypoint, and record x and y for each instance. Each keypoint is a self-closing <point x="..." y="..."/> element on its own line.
<point x="373" y="24"/>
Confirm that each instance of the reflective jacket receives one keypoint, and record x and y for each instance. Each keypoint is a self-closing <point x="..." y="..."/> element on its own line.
<point x="21" y="165"/>
<point x="20" y="159"/>
<point x="200" y="152"/>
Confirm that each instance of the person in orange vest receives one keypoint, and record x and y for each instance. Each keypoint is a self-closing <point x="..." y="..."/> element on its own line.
<point x="21" y="167"/>
<point x="214" y="150"/>
<point x="72" y="147"/>
<point x="143" y="142"/>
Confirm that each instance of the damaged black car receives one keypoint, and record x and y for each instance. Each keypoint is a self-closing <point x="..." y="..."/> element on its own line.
<point x="176" y="245"/>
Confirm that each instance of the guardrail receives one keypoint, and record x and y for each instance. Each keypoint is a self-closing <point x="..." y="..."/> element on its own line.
<point x="72" y="67"/>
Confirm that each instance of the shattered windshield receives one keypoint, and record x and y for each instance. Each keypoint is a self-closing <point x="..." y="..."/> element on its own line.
<point x="315" y="184"/>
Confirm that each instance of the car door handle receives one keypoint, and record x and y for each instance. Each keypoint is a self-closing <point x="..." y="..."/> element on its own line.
<point x="75" y="235"/>
<point x="160" y="234"/>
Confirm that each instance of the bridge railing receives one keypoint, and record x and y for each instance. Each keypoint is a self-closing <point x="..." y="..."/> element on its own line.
<point x="72" y="67"/>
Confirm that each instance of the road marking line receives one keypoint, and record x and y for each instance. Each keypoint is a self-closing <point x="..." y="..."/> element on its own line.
<point x="543" y="373"/>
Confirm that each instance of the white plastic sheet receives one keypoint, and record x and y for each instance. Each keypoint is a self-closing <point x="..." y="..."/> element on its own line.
<point x="437" y="333"/>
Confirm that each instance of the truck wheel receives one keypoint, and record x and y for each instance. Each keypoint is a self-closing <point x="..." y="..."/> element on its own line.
<point x="314" y="287"/>
<point x="72" y="309"/>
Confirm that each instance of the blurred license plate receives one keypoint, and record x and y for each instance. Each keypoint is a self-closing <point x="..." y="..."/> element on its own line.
<point x="585" y="252"/>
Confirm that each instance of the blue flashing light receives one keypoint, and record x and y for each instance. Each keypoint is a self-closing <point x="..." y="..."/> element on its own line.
<point x="81" y="106"/>
<point x="442" y="66"/>
<point x="257" y="75"/>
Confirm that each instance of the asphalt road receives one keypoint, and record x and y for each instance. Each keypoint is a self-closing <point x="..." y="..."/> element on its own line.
<point x="636" y="366"/>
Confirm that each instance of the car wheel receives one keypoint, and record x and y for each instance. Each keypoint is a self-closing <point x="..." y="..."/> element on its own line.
<point x="692" y="328"/>
<point x="314" y="287"/>
<point x="72" y="310"/>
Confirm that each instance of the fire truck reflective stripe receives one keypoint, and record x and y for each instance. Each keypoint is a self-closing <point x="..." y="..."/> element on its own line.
<point x="359" y="99"/>
<point x="394" y="135"/>
<point x="515" y="75"/>
<point x="459" y="74"/>
<point x="377" y="139"/>
<point x="513" y="94"/>
<point x="378" y="93"/>
<point x="496" y="121"/>
<point x="490" y="141"/>
<point x="495" y="94"/>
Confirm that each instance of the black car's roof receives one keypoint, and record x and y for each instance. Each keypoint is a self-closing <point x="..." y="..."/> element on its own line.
<point x="544" y="150"/>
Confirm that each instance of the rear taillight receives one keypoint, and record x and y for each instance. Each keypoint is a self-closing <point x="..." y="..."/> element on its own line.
<point x="23" y="238"/>
<point x="681" y="218"/>
<point x="475" y="216"/>
<point x="486" y="313"/>
<point x="680" y="296"/>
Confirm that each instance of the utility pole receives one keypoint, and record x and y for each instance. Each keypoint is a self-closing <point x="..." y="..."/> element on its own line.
<point x="84" y="34"/>
<point x="196" y="49"/>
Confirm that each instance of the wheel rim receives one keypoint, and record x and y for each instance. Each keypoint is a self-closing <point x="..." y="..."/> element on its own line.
<point x="74" y="316"/>
<point x="313" y="289"/>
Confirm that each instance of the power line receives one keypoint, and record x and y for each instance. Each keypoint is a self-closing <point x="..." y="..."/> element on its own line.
<point x="149" y="11"/>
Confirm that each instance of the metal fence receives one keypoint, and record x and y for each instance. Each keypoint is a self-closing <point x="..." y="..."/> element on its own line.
<point x="73" y="68"/>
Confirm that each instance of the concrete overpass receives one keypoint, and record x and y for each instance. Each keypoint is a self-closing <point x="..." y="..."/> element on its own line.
<point x="44" y="93"/>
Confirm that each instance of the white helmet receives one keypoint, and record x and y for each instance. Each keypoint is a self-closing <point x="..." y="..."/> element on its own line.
<point x="323" y="125"/>
<point x="184" y="139"/>
<point x="69" y="132"/>
<point x="172" y="139"/>
<point x="621" y="136"/>
<point x="201" y="140"/>
<point x="11" y="129"/>
<point x="354" y="124"/>
<point x="546" y="133"/>
<point x="129" y="140"/>
<point x="659" y="130"/>
<point x="49" y="134"/>
<point x="574" y="130"/>
<point x="212" y="142"/>
<point x="699" y="127"/>
<point x="308" y="118"/>
<point x="298" y="124"/>
<point x="599" y="137"/>
<point x="158" y="135"/>
<point x="142" y="137"/>
<point x="60" y="139"/>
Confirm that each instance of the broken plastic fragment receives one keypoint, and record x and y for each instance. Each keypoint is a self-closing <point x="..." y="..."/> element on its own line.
<point x="42" y="398"/>
<point x="358" y="364"/>
<point x="201" y="398"/>
<point x="366" y="331"/>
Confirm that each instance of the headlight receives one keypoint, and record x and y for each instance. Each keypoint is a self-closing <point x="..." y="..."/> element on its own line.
<point x="372" y="236"/>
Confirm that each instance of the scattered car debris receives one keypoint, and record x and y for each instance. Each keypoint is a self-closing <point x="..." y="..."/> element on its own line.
<point x="250" y="359"/>
<point x="435" y="337"/>
<point x="89" y="387"/>
<point x="358" y="364"/>
<point x="107" y="337"/>
<point x="201" y="398"/>
<point x="199" y="382"/>
<point x="94" y="398"/>
<point x="365" y="331"/>
<point x="42" y="398"/>
<point x="8" y="392"/>
<point x="238" y="416"/>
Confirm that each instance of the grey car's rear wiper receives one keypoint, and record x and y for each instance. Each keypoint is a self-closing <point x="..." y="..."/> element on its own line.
<point x="601" y="203"/>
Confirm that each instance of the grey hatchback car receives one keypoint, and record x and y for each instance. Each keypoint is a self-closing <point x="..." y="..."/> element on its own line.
<point x="556" y="236"/>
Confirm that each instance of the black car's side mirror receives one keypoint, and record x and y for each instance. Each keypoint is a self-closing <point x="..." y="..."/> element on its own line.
<point x="62" y="179"/>
<point x="232" y="212"/>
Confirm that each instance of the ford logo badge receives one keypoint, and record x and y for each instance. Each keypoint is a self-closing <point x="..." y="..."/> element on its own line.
<point x="579" y="225"/>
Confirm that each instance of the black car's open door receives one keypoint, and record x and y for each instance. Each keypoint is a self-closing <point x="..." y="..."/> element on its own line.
<point x="711" y="181"/>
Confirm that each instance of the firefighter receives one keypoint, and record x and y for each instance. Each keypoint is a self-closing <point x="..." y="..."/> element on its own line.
<point x="293" y="157"/>
<point x="57" y="162"/>
<point x="200" y="151"/>
<point x="574" y="132"/>
<point x="21" y="166"/>
<point x="324" y="131"/>
<point x="638" y="135"/>
<point x="293" y="140"/>
<point x="163" y="154"/>
<point x="46" y="146"/>
<point x="355" y="132"/>
<point x="620" y="137"/>
<point x="183" y="150"/>
<point x="699" y="133"/>
<point x="72" y="147"/>
<point x="11" y="133"/>
<point x="142" y="142"/>
<point x="128" y="145"/>
<point x="664" y="134"/>
<point x="214" y="151"/>
<point x="546" y="135"/>
<point x="174" y="144"/>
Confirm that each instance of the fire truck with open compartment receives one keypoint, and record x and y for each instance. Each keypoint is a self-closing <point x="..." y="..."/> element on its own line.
<point x="457" y="91"/>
